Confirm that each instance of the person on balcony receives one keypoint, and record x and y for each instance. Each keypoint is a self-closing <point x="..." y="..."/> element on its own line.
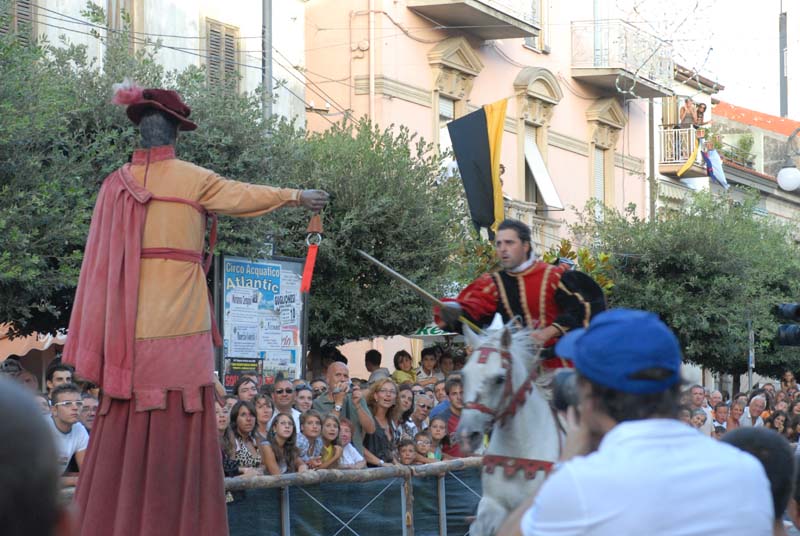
<point x="687" y="115"/>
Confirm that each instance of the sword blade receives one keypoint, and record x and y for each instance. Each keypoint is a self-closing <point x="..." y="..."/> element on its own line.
<point x="414" y="287"/>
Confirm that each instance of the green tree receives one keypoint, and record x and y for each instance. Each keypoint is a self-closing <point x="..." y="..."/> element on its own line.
<point x="706" y="271"/>
<point x="60" y="136"/>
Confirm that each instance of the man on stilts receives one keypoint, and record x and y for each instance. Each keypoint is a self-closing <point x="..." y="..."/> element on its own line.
<point x="142" y="329"/>
<point x="547" y="298"/>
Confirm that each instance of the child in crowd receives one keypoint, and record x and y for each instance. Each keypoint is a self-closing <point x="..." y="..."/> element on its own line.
<point x="403" y="368"/>
<point x="446" y="364"/>
<point x="427" y="373"/>
<point x="280" y="452"/>
<point x="331" y="451"/>
<point x="685" y="415"/>
<point x="309" y="441"/>
<point x="438" y="431"/>
<point x="406" y="452"/>
<point x="698" y="419"/>
<point x="718" y="432"/>
<point x="422" y="442"/>
<point x="777" y="421"/>
<point x="351" y="458"/>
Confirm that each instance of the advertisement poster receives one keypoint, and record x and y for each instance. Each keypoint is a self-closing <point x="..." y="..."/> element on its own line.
<point x="262" y="317"/>
<point x="236" y="368"/>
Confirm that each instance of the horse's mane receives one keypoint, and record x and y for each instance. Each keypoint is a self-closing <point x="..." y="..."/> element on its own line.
<point x="524" y="347"/>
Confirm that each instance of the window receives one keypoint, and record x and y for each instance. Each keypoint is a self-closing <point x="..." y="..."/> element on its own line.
<point x="530" y="181"/>
<point x="19" y="20"/>
<point x="539" y="187"/>
<point x="540" y="14"/>
<point x="446" y="114"/>
<point x="222" y="51"/>
<point x="599" y="180"/>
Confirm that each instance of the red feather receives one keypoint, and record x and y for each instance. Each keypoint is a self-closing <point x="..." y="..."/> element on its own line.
<point x="128" y="92"/>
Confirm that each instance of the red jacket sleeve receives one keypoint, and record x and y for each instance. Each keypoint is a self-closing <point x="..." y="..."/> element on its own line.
<point x="478" y="301"/>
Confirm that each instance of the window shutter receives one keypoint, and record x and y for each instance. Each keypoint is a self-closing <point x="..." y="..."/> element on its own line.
<point x="19" y="19"/>
<point x="599" y="174"/>
<point x="530" y="180"/>
<point x="447" y="110"/>
<point x="222" y="63"/>
<point x="229" y="61"/>
<point x="215" y="34"/>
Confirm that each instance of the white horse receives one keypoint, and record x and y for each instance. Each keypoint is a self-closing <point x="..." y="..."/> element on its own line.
<point x="501" y="388"/>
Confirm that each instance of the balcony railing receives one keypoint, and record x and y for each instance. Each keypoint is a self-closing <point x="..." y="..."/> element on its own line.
<point x="643" y="59"/>
<point x="677" y="145"/>
<point x="544" y="231"/>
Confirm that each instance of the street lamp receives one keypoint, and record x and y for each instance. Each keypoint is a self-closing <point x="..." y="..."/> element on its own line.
<point x="789" y="175"/>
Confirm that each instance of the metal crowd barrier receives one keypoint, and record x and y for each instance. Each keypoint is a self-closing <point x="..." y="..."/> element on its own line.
<point x="421" y="500"/>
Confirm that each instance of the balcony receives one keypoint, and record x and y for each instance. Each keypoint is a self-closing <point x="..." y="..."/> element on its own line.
<point x="545" y="232"/>
<point x="677" y="145"/>
<point x="618" y="57"/>
<point x="486" y="19"/>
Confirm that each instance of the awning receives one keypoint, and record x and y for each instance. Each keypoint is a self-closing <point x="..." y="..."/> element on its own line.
<point x="537" y="167"/>
<point x="434" y="333"/>
<point x="22" y="345"/>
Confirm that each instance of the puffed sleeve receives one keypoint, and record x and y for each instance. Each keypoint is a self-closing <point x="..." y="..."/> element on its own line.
<point x="578" y="298"/>
<point x="478" y="301"/>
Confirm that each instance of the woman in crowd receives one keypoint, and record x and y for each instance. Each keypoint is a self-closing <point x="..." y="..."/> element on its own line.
<point x="264" y="410"/>
<point x="794" y="410"/>
<point x="776" y="421"/>
<point x="404" y="425"/>
<point x="404" y="372"/>
<point x="698" y="418"/>
<point x="303" y="398"/>
<point x="243" y="422"/>
<point x="351" y="458"/>
<point x="245" y="389"/>
<point x="737" y="410"/>
<point x="382" y="401"/>
<point x="309" y="442"/>
<point x="788" y="381"/>
<point x="280" y="451"/>
<point x="331" y="451"/>
<point x="227" y="442"/>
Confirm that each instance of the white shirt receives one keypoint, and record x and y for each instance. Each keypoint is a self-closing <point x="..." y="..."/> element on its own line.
<point x="76" y="440"/>
<point x="652" y="477"/>
<point x="746" y="420"/>
<point x="295" y="415"/>
<point x="350" y="456"/>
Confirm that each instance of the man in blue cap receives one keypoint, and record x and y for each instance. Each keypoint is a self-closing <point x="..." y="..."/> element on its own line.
<point x="630" y="467"/>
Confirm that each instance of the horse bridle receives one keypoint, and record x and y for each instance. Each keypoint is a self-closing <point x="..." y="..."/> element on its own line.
<point x="515" y="399"/>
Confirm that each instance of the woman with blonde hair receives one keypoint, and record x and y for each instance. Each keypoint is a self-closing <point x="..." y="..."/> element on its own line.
<point x="382" y="402"/>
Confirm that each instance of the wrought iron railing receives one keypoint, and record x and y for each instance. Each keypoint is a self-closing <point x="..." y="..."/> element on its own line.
<point x="521" y="10"/>
<point x="616" y="44"/>
<point x="677" y="145"/>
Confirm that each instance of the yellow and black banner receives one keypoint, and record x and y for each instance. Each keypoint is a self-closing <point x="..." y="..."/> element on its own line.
<point x="477" y="140"/>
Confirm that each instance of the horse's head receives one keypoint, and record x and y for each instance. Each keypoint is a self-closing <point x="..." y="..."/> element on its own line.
<point x="499" y="364"/>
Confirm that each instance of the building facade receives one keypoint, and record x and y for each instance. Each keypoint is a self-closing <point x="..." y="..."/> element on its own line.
<point x="575" y="80"/>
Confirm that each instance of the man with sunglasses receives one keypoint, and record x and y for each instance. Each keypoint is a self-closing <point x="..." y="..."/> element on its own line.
<point x="283" y="398"/>
<point x="423" y="403"/>
<point x="70" y="436"/>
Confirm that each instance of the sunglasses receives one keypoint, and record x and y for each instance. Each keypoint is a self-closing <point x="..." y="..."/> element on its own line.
<point x="423" y="406"/>
<point x="284" y="391"/>
<point x="320" y="390"/>
<point x="70" y="403"/>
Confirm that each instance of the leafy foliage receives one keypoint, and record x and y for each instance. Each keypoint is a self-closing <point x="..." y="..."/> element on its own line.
<point x="598" y="266"/>
<point x="706" y="271"/>
<point x="60" y="136"/>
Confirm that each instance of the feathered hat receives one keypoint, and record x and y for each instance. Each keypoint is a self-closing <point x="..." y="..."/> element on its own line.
<point x="138" y="99"/>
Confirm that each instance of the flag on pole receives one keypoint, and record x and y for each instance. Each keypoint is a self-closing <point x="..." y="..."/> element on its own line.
<point x="477" y="140"/>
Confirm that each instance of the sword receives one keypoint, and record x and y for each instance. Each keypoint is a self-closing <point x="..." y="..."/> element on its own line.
<point x="416" y="288"/>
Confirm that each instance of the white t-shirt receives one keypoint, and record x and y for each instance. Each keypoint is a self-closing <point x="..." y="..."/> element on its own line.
<point x="651" y="477"/>
<point x="76" y="440"/>
<point x="350" y="456"/>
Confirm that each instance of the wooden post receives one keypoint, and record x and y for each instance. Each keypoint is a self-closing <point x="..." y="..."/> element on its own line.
<point x="407" y="506"/>
<point x="442" y="496"/>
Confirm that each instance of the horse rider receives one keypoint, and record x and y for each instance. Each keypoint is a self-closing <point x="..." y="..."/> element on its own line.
<point x="550" y="299"/>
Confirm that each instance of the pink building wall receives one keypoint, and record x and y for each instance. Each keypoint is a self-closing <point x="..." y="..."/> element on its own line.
<point x="338" y="42"/>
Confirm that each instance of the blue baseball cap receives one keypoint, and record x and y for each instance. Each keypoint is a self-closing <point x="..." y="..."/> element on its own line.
<point x="618" y="344"/>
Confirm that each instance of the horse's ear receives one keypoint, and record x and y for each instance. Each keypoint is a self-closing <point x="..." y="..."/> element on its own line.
<point x="505" y="338"/>
<point x="497" y="323"/>
<point x="470" y="336"/>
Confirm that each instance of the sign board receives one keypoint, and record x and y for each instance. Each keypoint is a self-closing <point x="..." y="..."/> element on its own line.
<point x="262" y="318"/>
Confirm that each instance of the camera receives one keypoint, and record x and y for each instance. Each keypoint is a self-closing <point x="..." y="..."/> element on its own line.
<point x="565" y="390"/>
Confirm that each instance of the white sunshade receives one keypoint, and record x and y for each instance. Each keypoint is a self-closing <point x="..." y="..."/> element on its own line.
<point x="535" y="162"/>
